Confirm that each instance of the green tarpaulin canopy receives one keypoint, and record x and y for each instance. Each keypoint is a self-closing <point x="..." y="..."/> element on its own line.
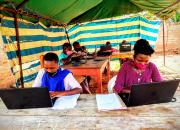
<point x="72" y="11"/>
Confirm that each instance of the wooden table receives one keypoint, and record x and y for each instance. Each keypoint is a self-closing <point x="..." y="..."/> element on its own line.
<point x="91" y="68"/>
<point x="122" y="55"/>
<point x="85" y="116"/>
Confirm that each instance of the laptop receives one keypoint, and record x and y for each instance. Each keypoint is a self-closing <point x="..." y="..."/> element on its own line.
<point x="151" y="93"/>
<point x="125" y="47"/>
<point x="23" y="98"/>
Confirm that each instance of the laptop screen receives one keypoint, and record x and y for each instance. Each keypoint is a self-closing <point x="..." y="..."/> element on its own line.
<point x="22" y="98"/>
<point x="150" y="93"/>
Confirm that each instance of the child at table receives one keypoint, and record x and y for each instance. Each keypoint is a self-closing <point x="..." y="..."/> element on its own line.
<point x="66" y="55"/>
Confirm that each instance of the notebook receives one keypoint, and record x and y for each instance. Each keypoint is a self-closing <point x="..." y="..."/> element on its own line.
<point x="107" y="102"/>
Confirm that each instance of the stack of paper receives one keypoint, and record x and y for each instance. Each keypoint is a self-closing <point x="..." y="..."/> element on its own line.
<point x="66" y="102"/>
<point x="106" y="102"/>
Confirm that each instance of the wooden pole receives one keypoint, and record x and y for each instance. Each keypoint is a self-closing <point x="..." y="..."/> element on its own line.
<point x="67" y="34"/>
<point x="21" y="12"/>
<point x="42" y="61"/>
<point x="19" y="49"/>
<point x="164" y="48"/>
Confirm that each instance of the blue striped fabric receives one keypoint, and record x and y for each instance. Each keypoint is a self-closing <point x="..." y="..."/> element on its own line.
<point x="35" y="40"/>
<point x="96" y="33"/>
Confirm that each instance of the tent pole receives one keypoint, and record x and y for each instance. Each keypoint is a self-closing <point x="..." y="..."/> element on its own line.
<point x="19" y="49"/>
<point x="29" y="15"/>
<point x="67" y="34"/>
<point x="164" y="49"/>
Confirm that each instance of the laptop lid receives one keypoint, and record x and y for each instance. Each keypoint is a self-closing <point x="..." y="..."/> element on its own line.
<point x="125" y="47"/>
<point x="150" y="93"/>
<point x="22" y="98"/>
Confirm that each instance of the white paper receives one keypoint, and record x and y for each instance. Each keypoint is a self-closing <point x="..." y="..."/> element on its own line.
<point x="66" y="102"/>
<point x="106" y="102"/>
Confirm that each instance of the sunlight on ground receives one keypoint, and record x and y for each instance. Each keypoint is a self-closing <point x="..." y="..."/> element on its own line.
<point x="171" y="70"/>
<point x="114" y="65"/>
<point x="172" y="62"/>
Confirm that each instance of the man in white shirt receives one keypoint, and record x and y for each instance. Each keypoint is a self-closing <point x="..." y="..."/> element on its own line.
<point x="59" y="81"/>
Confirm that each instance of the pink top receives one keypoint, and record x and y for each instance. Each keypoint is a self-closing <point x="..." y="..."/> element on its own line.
<point x="128" y="75"/>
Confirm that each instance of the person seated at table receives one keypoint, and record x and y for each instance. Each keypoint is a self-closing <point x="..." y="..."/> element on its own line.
<point x="124" y="46"/>
<point x="59" y="81"/>
<point x="77" y="46"/>
<point x="66" y="55"/>
<point x="79" y="49"/>
<point x="84" y="49"/>
<point x="137" y="70"/>
<point x="109" y="47"/>
<point x="105" y="50"/>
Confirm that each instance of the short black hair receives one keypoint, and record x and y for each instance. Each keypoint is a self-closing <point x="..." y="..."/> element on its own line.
<point x="108" y="43"/>
<point x="50" y="56"/>
<point x="75" y="43"/>
<point x="142" y="46"/>
<point x="66" y="45"/>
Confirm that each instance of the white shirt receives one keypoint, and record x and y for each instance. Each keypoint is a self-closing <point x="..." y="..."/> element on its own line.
<point x="69" y="81"/>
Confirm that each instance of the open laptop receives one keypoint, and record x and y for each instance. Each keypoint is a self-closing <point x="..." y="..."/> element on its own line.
<point x="22" y="98"/>
<point x="151" y="93"/>
<point x="125" y="47"/>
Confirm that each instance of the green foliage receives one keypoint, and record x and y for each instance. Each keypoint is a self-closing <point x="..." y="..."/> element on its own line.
<point x="176" y="18"/>
<point x="148" y="15"/>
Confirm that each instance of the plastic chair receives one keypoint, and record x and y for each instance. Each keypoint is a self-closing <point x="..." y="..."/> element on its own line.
<point x="111" y="84"/>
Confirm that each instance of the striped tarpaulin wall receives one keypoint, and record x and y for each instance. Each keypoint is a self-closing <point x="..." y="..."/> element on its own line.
<point x="96" y="33"/>
<point x="35" y="40"/>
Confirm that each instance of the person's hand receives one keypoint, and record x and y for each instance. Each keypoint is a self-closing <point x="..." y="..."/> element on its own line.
<point x="126" y="90"/>
<point x="72" y="54"/>
<point x="54" y="94"/>
<point x="114" y="91"/>
<point x="83" y="54"/>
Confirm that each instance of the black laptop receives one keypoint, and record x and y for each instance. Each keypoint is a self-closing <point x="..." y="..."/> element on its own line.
<point x="22" y="98"/>
<point x="125" y="47"/>
<point x="151" y="93"/>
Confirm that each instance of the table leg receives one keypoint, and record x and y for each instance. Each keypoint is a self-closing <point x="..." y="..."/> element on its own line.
<point x="99" y="82"/>
<point x="108" y="71"/>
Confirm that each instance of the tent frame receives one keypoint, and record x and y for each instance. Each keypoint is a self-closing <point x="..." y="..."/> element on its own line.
<point x="15" y="12"/>
<point x="18" y="10"/>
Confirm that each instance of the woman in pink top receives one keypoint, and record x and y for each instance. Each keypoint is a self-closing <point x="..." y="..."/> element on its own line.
<point x="139" y="70"/>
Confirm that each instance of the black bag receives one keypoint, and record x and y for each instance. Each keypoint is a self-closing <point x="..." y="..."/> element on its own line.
<point x="124" y="47"/>
<point x="103" y="53"/>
